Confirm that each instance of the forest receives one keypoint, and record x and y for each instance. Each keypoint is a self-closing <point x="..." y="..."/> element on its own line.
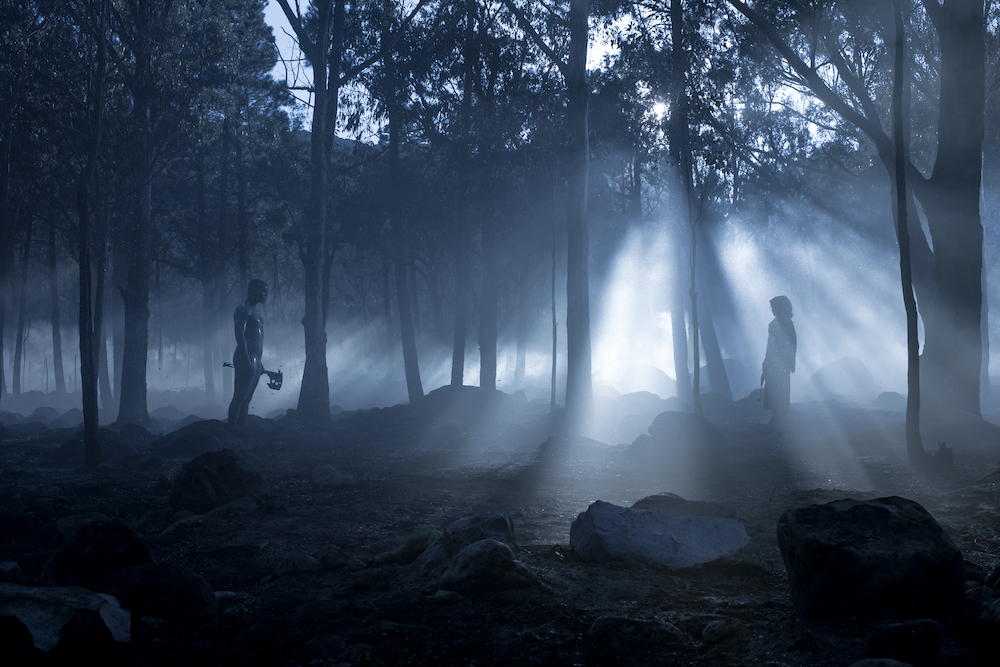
<point x="471" y="195"/>
<point x="521" y="259"/>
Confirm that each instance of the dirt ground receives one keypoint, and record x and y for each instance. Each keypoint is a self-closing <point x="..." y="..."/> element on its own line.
<point x="409" y="471"/>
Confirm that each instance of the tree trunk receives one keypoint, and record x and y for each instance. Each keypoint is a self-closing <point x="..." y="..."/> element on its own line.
<point x="717" y="378"/>
<point x="132" y="406"/>
<point x="89" y="324"/>
<point x="952" y="357"/>
<point x="914" y="444"/>
<point x="209" y="316"/>
<point x="57" y="360"/>
<point x="488" y="303"/>
<point x="579" y="384"/>
<point x="414" y="388"/>
<point x="470" y="59"/>
<point x="22" y="309"/>
<point x="119" y="277"/>
<point x="678" y="328"/>
<point x="314" y="395"/>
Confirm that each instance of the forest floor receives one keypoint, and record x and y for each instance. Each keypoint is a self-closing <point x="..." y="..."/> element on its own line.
<point x="410" y="470"/>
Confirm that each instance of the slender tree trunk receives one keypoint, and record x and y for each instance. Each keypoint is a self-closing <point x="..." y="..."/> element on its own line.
<point x="57" y="360"/>
<point x="579" y="383"/>
<point x="209" y="316"/>
<point x="555" y="320"/>
<point x="119" y="276"/>
<point x="89" y="325"/>
<point x="242" y="224"/>
<point x="522" y="327"/>
<point x="387" y="313"/>
<point x="22" y="309"/>
<point x="914" y="444"/>
<point x="488" y="303"/>
<point x="414" y="388"/>
<point x="470" y="58"/>
<point x="717" y="377"/>
<point x="678" y="329"/>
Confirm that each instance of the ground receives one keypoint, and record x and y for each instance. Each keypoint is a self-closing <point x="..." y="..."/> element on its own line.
<point x="409" y="471"/>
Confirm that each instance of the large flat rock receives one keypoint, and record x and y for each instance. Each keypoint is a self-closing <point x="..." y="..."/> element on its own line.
<point x="607" y="532"/>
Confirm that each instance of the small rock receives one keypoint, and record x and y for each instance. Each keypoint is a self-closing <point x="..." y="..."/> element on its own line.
<point x="914" y="642"/>
<point x="721" y="629"/>
<point x="323" y="648"/>
<point x="66" y="526"/>
<point x="463" y="532"/>
<point x="615" y="634"/>
<point x="408" y="551"/>
<point x="10" y="571"/>
<point x="486" y="565"/>
<point x="298" y="561"/>
<point x="214" y="479"/>
<point x="155" y="624"/>
<point x="334" y="558"/>
<point x="325" y="475"/>
<point x="238" y="507"/>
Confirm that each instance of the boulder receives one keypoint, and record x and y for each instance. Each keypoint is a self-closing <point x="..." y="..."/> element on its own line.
<point x="199" y="436"/>
<point x="46" y="616"/>
<point x="674" y="436"/>
<point x="10" y="571"/>
<point x="846" y="378"/>
<point x="988" y="634"/>
<point x="486" y="566"/>
<point x="94" y="552"/>
<point x="214" y="479"/>
<point x="607" y="532"/>
<point x="463" y="532"/>
<point x="173" y="593"/>
<point x="874" y="557"/>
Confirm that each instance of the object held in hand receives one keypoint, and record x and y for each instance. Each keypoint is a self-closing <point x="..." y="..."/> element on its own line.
<point x="274" y="379"/>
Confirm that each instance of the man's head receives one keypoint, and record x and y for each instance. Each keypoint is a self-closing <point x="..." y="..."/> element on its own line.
<point x="257" y="291"/>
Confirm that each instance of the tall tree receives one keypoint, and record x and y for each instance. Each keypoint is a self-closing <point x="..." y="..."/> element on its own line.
<point x="579" y="383"/>
<point x="948" y="268"/>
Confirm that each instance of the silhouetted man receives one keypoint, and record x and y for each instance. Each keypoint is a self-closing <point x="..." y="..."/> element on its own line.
<point x="779" y="361"/>
<point x="249" y="328"/>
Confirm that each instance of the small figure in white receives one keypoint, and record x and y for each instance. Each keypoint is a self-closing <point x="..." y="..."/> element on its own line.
<point x="779" y="361"/>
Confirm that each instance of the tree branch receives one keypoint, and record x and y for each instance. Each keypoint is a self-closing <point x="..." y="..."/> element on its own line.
<point x="526" y="26"/>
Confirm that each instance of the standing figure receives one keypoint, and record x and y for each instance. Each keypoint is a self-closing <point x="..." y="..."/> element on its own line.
<point x="779" y="361"/>
<point x="249" y="328"/>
